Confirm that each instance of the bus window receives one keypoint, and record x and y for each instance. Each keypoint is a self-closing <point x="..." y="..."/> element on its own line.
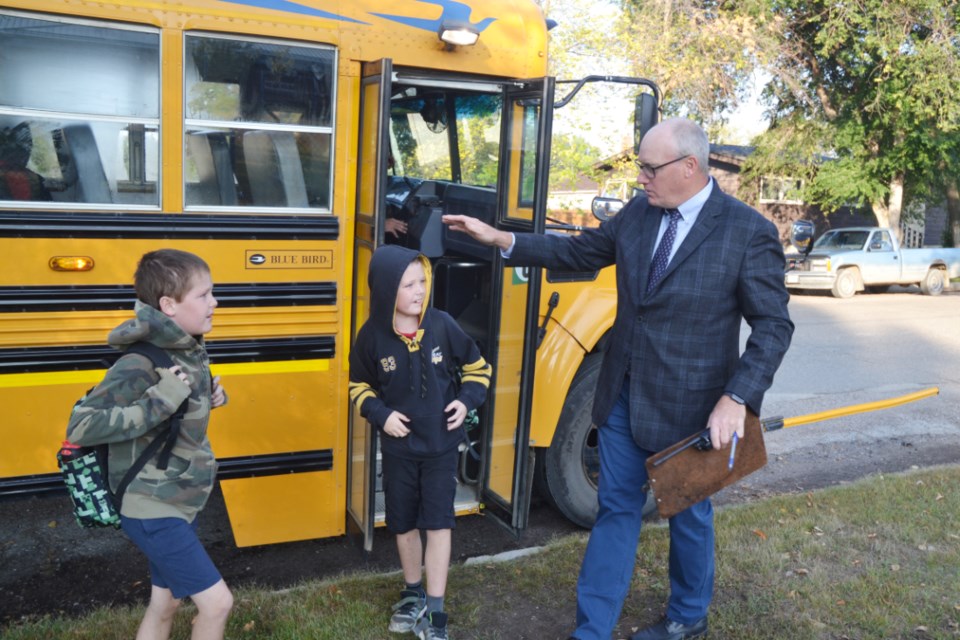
<point x="419" y="133"/>
<point x="259" y="127"/>
<point x="424" y="147"/>
<point x="528" y="156"/>
<point x="102" y="147"/>
<point x="440" y="136"/>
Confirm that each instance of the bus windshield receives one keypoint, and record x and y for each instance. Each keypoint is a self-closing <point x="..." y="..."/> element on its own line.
<point x="424" y="145"/>
<point x="444" y="156"/>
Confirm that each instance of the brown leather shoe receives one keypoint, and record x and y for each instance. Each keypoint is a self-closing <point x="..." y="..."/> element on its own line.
<point x="667" y="629"/>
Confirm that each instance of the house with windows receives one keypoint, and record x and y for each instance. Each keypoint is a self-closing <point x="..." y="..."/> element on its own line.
<point x="777" y="198"/>
<point x="571" y="203"/>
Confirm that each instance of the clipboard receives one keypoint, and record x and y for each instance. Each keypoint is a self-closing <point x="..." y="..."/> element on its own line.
<point x="683" y="475"/>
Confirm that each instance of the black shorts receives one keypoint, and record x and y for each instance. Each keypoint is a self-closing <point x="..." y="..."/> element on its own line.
<point x="420" y="492"/>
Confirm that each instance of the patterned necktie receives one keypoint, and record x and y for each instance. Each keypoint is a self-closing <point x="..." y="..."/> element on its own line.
<point x="662" y="257"/>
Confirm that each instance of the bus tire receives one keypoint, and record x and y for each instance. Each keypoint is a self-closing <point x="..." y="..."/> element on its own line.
<point x="568" y="470"/>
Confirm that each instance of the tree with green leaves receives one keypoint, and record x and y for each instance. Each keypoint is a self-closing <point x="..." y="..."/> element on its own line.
<point x="700" y="54"/>
<point x="862" y="101"/>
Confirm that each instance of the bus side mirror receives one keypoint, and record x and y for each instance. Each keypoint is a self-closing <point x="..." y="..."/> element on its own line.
<point x="605" y="208"/>
<point x="645" y="116"/>
<point x="801" y="236"/>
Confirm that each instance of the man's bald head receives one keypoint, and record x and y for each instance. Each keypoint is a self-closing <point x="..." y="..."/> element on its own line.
<point x="675" y="154"/>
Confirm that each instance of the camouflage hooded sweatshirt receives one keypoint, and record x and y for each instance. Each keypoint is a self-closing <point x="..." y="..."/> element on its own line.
<point x="133" y="400"/>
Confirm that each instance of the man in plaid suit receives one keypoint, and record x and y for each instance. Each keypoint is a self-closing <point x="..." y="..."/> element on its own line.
<point x="672" y="365"/>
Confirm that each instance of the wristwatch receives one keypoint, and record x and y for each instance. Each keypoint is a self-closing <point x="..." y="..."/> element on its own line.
<point x="735" y="398"/>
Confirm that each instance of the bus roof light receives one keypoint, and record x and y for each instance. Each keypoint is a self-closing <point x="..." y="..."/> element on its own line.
<point x="454" y="33"/>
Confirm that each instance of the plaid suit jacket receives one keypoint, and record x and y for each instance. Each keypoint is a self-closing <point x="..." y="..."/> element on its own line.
<point x="680" y="344"/>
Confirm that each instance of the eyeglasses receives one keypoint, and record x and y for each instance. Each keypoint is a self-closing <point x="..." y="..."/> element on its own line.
<point x="650" y="172"/>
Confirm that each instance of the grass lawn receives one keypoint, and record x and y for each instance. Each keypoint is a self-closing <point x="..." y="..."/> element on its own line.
<point x="878" y="559"/>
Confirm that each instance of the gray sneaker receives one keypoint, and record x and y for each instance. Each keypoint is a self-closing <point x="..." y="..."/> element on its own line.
<point x="432" y="626"/>
<point x="408" y="611"/>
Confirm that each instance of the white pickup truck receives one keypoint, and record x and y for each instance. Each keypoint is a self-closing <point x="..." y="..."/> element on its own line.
<point x="845" y="261"/>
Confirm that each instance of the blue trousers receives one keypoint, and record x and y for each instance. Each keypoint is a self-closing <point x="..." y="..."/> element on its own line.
<point x="612" y="549"/>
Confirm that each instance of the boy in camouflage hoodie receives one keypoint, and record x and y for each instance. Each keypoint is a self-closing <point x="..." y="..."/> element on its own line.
<point x="128" y="409"/>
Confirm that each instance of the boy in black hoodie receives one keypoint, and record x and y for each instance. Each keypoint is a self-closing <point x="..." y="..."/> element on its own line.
<point x="403" y="379"/>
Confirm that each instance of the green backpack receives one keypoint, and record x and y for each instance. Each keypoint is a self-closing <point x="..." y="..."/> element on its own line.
<point x="85" y="470"/>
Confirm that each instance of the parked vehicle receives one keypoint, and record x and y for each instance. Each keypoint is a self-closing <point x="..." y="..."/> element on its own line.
<point x="852" y="259"/>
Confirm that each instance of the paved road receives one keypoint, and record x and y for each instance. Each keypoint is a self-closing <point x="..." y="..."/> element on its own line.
<point x="861" y="350"/>
<point x="864" y="349"/>
<point x="868" y="348"/>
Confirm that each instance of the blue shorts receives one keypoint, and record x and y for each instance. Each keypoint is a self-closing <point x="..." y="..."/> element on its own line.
<point x="420" y="492"/>
<point x="178" y="561"/>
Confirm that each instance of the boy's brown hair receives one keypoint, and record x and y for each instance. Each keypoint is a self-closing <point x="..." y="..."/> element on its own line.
<point x="166" y="272"/>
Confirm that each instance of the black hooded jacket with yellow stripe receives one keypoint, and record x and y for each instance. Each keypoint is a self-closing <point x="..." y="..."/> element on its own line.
<point x="417" y="377"/>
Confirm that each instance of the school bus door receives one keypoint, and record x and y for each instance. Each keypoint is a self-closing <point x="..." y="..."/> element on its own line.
<point x="371" y="176"/>
<point x="523" y="170"/>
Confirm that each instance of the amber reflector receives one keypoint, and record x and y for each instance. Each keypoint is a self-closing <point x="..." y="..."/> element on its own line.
<point x="71" y="263"/>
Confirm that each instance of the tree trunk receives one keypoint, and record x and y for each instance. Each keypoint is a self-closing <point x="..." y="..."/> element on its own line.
<point x="888" y="211"/>
<point x="953" y="216"/>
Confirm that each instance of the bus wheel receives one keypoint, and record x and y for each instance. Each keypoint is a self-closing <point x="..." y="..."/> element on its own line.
<point x="569" y="469"/>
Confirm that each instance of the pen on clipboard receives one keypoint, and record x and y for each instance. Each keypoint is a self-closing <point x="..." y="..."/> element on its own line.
<point x="733" y="451"/>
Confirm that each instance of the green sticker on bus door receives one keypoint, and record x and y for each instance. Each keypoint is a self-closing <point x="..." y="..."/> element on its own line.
<point x="521" y="275"/>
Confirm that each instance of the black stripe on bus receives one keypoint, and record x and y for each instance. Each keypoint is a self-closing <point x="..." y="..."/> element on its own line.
<point x="120" y="297"/>
<point x="273" y="464"/>
<point x="43" y="224"/>
<point x="37" y="359"/>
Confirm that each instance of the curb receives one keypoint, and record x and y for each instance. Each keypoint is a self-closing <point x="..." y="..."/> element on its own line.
<point x="503" y="557"/>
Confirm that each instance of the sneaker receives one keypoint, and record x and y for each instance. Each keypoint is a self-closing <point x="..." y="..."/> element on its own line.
<point x="408" y="611"/>
<point x="432" y="626"/>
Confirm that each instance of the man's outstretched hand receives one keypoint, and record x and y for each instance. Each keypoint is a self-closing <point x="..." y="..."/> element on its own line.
<point x="479" y="231"/>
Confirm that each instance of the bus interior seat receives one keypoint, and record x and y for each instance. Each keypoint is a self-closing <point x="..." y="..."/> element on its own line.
<point x="458" y="283"/>
<point x="80" y="164"/>
<point x="315" y="156"/>
<point x="210" y="152"/>
<point x="273" y="169"/>
<point x="477" y="202"/>
<point x="462" y="289"/>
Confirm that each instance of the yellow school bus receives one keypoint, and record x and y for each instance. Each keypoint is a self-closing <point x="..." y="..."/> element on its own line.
<point x="278" y="139"/>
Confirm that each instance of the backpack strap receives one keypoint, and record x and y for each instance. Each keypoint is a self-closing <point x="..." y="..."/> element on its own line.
<point x="160" y="358"/>
<point x="136" y="468"/>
